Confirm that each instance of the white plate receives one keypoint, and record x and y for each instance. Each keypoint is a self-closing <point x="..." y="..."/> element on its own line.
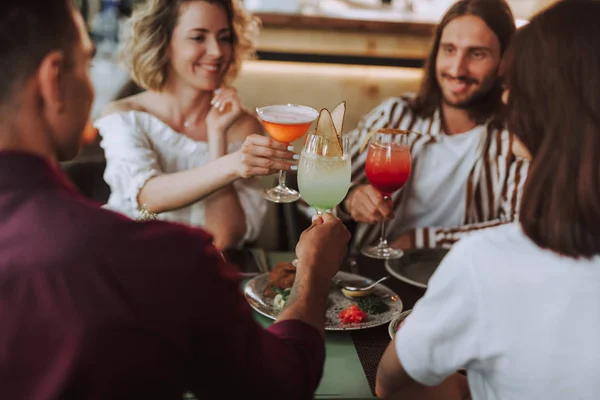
<point x="337" y="302"/>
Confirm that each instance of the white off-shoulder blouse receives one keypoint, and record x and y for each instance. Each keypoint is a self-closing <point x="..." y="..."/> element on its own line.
<point x="138" y="146"/>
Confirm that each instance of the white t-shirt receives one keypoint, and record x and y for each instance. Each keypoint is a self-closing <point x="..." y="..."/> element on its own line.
<point x="436" y="193"/>
<point x="139" y="146"/>
<point x="524" y="322"/>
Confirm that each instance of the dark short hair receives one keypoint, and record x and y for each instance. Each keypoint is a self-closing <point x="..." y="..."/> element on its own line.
<point x="499" y="18"/>
<point x="553" y="75"/>
<point x="29" y="30"/>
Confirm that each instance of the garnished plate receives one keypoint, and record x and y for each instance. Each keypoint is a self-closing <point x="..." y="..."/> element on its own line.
<point x="416" y="266"/>
<point x="337" y="301"/>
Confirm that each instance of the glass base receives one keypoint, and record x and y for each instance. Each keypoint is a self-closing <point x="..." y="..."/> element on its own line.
<point x="281" y="194"/>
<point x="382" y="252"/>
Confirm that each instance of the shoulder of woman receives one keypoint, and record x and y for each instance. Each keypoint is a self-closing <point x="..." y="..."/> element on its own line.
<point x="132" y="103"/>
<point x="246" y="125"/>
<point x="118" y="116"/>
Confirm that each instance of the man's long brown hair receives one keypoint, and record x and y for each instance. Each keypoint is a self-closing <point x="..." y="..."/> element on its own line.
<point x="499" y="18"/>
<point x="553" y="75"/>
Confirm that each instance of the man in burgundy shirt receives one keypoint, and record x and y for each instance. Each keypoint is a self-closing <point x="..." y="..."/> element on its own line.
<point x="96" y="306"/>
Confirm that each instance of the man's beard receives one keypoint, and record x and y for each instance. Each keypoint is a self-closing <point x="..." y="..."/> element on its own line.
<point x="475" y="99"/>
<point x="467" y="103"/>
<point x="481" y="104"/>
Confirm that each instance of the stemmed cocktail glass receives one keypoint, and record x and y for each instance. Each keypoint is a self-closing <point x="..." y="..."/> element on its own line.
<point x="324" y="179"/>
<point x="285" y="123"/>
<point x="388" y="169"/>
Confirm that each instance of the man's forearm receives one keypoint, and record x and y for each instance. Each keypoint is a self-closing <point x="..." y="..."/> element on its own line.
<point x="225" y="218"/>
<point x="307" y="302"/>
<point x="305" y="307"/>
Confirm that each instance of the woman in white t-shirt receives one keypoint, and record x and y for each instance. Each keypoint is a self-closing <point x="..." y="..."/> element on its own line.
<point x="186" y="150"/>
<point x="518" y="306"/>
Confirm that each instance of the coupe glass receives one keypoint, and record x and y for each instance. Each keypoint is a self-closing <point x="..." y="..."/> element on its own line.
<point x="388" y="169"/>
<point x="285" y="123"/>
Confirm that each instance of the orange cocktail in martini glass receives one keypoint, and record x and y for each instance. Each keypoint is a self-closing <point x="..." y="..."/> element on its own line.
<point x="285" y="123"/>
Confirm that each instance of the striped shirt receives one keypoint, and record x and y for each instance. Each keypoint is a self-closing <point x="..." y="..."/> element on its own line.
<point x="493" y="189"/>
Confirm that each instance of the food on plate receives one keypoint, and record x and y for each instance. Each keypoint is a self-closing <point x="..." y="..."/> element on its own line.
<point x="373" y="305"/>
<point x="279" y="286"/>
<point x="356" y="293"/>
<point x="362" y="308"/>
<point x="281" y="297"/>
<point x="281" y="277"/>
<point x="352" y="314"/>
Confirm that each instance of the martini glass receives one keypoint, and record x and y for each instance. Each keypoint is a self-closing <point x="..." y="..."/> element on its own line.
<point x="285" y="123"/>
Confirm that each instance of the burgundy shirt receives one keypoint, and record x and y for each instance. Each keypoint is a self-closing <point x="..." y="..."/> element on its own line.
<point x="96" y="306"/>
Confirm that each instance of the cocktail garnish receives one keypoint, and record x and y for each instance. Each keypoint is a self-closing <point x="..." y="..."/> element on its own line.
<point x="326" y="129"/>
<point x="337" y="115"/>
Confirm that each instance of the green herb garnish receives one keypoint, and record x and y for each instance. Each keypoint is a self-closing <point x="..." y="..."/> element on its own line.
<point x="285" y="293"/>
<point x="372" y="305"/>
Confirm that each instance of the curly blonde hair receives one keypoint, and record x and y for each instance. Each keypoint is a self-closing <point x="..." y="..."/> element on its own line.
<point x="145" y="49"/>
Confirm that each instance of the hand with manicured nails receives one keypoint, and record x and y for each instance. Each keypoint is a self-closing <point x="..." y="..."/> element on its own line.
<point x="261" y="155"/>
<point x="226" y="109"/>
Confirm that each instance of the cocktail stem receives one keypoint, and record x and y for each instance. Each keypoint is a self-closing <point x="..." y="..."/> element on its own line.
<point x="383" y="239"/>
<point x="282" y="178"/>
<point x="322" y="212"/>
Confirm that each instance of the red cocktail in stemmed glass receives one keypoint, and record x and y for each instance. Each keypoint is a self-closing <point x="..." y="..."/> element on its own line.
<point x="388" y="169"/>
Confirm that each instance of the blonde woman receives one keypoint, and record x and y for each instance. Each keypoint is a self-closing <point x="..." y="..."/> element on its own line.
<point x="185" y="149"/>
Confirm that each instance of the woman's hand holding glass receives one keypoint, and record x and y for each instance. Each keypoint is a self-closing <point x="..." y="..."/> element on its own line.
<point x="285" y="123"/>
<point x="261" y="155"/>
